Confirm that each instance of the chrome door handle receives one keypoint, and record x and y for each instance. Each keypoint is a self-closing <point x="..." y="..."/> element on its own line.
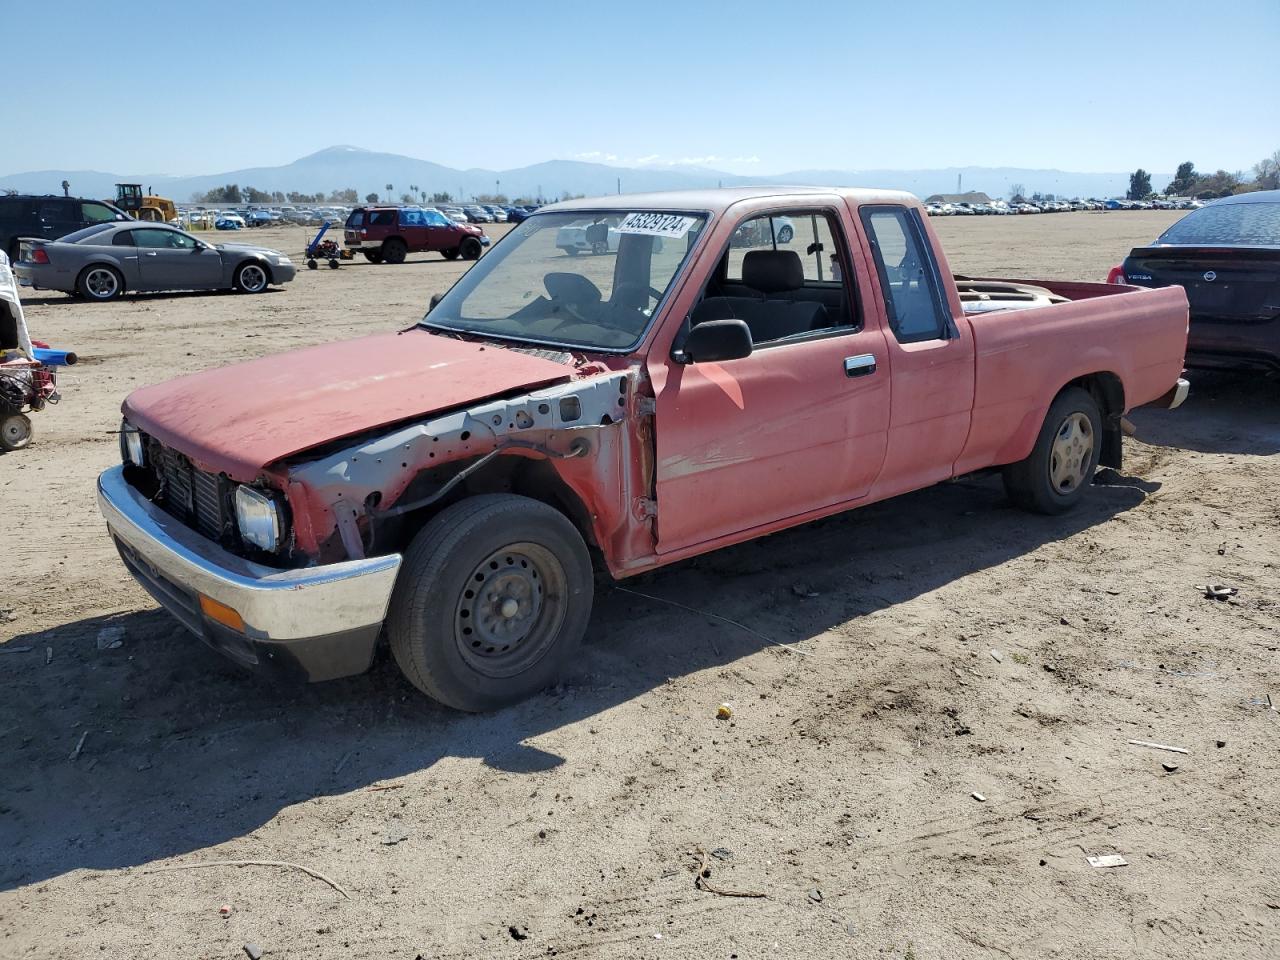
<point x="860" y="366"/>
<point x="151" y="253"/>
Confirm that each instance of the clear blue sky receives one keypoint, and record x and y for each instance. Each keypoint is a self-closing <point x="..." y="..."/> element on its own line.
<point x="744" y="86"/>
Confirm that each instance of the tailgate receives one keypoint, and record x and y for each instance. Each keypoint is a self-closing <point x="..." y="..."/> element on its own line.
<point x="1235" y="284"/>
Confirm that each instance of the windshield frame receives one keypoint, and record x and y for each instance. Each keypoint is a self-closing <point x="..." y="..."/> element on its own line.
<point x="673" y="287"/>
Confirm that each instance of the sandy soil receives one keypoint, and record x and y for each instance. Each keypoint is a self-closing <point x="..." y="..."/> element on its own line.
<point x="842" y="790"/>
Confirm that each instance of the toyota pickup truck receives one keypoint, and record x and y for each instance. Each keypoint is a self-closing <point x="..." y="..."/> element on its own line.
<point x="455" y="487"/>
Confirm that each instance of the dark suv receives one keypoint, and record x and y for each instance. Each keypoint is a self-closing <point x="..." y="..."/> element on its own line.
<point x="49" y="218"/>
<point x="386" y="234"/>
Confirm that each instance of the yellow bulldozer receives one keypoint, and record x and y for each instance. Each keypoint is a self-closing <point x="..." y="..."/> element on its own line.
<point x="131" y="199"/>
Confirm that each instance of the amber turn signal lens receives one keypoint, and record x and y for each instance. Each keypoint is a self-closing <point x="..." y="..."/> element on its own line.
<point x="221" y="613"/>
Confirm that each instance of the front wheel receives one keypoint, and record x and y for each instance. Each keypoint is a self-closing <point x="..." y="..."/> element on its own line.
<point x="450" y="254"/>
<point x="373" y="256"/>
<point x="1054" y="477"/>
<point x="471" y="249"/>
<point x="251" y="278"/>
<point x="491" y="602"/>
<point x="15" y="431"/>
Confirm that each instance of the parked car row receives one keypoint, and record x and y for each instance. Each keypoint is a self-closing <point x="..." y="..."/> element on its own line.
<point x="1004" y="208"/>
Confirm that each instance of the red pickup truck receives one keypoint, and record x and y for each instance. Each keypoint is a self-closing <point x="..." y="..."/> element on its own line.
<point x="707" y="379"/>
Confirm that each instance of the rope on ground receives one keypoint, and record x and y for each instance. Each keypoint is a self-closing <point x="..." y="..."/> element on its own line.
<point x="703" y="881"/>
<point x="255" y="863"/>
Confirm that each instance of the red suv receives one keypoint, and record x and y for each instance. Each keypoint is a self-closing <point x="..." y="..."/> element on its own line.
<point x="386" y="234"/>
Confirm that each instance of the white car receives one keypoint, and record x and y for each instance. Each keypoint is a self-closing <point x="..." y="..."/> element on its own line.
<point x="230" y="220"/>
<point x="572" y="238"/>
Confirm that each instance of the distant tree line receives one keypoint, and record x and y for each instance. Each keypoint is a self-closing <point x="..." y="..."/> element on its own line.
<point x="234" y="193"/>
<point x="1188" y="182"/>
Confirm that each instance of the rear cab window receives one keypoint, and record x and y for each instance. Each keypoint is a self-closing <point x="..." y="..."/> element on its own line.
<point x="908" y="274"/>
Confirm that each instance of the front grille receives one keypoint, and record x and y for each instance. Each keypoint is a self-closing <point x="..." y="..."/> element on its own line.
<point x="200" y="499"/>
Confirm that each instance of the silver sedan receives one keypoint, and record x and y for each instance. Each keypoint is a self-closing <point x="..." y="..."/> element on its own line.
<point x="103" y="261"/>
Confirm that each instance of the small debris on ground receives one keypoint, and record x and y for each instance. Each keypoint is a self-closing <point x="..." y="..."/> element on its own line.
<point x="803" y="591"/>
<point x="997" y="656"/>
<point x="518" y="933"/>
<point x="724" y="712"/>
<point x="1221" y="744"/>
<point x="1065" y="622"/>
<point x="253" y="950"/>
<point x="224" y="911"/>
<point x="8" y="615"/>
<point x="1108" y="860"/>
<point x="1169" y="767"/>
<point x="395" y="836"/>
<point x="1158" y="746"/>
<point x="722" y="853"/>
<point x="79" y="746"/>
<point x="851" y="928"/>
<point x="979" y="797"/>
<point x="1216" y="591"/>
<point x="815" y="895"/>
<point x="110" y="638"/>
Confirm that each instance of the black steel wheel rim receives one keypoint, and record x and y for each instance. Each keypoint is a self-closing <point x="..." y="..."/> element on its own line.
<point x="510" y="610"/>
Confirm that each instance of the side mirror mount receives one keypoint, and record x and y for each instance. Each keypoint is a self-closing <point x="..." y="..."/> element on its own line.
<point x="435" y="301"/>
<point x="715" y="340"/>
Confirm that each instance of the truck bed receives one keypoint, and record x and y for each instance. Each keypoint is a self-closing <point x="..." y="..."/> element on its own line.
<point x="1137" y="335"/>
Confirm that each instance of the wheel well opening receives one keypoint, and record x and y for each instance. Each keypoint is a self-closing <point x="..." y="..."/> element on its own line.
<point x="1107" y="391"/>
<point x="525" y="476"/>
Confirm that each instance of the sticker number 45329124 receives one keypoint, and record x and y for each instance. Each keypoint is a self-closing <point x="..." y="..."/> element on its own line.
<point x="657" y="224"/>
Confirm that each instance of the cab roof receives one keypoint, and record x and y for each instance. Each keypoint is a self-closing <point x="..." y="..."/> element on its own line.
<point x="718" y="200"/>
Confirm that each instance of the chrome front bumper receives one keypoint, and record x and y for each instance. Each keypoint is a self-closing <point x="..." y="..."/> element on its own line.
<point x="323" y="620"/>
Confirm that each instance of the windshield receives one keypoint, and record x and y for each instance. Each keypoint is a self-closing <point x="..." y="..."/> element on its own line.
<point x="583" y="280"/>
<point x="1252" y="224"/>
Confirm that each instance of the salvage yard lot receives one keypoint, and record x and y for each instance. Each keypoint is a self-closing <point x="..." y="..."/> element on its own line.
<point x="951" y="646"/>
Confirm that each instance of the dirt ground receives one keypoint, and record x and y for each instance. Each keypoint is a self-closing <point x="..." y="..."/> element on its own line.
<point x="952" y="645"/>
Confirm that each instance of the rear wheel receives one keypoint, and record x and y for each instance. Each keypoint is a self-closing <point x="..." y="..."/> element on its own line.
<point x="100" y="283"/>
<point x="450" y="254"/>
<point x="1061" y="464"/>
<point x="492" y="600"/>
<point x="251" y="278"/>
<point x="333" y="263"/>
<point x="373" y="256"/>
<point x="311" y="263"/>
<point x="470" y="249"/>
<point x="393" y="250"/>
<point x="15" y="431"/>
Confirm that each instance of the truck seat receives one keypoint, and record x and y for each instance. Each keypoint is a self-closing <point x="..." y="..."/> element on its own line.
<point x="766" y="319"/>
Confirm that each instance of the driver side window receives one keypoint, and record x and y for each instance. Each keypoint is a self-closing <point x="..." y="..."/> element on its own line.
<point x="163" y="240"/>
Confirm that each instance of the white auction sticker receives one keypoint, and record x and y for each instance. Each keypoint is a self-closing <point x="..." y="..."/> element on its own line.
<point x="657" y="224"/>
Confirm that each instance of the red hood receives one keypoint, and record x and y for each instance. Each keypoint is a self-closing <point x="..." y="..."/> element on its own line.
<point x="238" y="419"/>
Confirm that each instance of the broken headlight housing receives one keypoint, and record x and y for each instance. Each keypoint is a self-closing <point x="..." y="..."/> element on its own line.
<point x="259" y="517"/>
<point x="132" y="448"/>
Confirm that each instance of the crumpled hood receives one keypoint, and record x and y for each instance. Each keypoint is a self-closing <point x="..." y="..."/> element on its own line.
<point x="238" y="419"/>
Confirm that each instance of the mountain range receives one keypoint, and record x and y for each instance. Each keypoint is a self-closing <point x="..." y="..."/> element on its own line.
<point x="368" y="171"/>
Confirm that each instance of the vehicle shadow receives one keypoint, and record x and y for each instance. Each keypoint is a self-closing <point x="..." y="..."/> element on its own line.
<point x="147" y="297"/>
<point x="120" y="757"/>
<point x="1223" y="413"/>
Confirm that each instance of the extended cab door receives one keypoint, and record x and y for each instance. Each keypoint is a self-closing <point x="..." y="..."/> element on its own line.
<point x="801" y="423"/>
<point x="930" y="349"/>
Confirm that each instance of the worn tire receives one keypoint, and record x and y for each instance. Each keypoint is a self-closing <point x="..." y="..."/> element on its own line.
<point x="1030" y="483"/>
<point x="394" y="250"/>
<point x="450" y="254"/>
<point x="311" y="263"/>
<point x="373" y="256"/>
<point x="471" y="249"/>
<point x="785" y="235"/>
<point x="443" y="575"/>
<point x="15" y="431"/>
<point x="100" y="283"/>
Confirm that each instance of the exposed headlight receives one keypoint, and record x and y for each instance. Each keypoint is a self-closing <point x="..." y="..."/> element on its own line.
<point x="258" y="516"/>
<point x="132" y="449"/>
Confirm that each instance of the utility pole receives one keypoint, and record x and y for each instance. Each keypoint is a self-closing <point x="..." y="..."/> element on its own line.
<point x="619" y="185"/>
<point x="497" y="190"/>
